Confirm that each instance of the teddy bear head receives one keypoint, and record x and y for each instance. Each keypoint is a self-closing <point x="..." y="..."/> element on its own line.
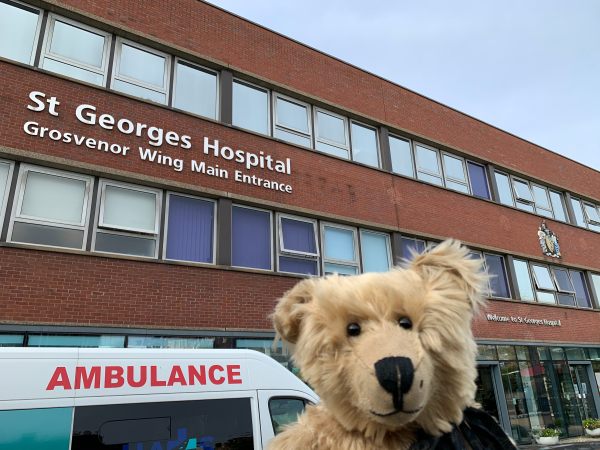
<point x="389" y="350"/>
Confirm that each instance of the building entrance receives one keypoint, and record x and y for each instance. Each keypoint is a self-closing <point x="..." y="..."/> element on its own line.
<point x="490" y="393"/>
<point x="583" y="386"/>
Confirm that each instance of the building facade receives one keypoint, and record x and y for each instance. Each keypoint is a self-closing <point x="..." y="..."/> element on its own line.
<point x="168" y="170"/>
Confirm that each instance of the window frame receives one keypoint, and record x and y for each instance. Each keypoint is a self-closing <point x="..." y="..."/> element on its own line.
<point x="388" y="241"/>
<point x="557" y="284"/>
<point x="166" y="229"/>
<point x="4" y="201"/>
<point x="324" y="259"/>
<point x="439" y="175"/>
<point x="537" y="287"/>
<point x="377" y="143"/>
<point x="532" y="281"/>
<point x="275" y="95"/>
<point x="116" y="76"/>
<point x="38" y="28"/>
<point x="563" y="205"/>
<point x="514" y="180"/>
<point x="586" y="216"/>
<point x="506" y="275"/>
<point x="171" y="101"/>
<point x="272" y="267"/>
<point x="281" y="251"/>
<point x="46" y="53"/>
<point x="466" y="182"/>
<point x="487" y="179"/>
<point x="20" y="194"/>
<point x="144" y="234"/>
<point x="267" y="91"/>
<point x="537" y="207"/>
<point x="345" y="120"/>
<point x="412" y="155"/>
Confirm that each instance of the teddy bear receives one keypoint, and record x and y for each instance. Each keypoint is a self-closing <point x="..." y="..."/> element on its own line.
<point x="392" y="357"/>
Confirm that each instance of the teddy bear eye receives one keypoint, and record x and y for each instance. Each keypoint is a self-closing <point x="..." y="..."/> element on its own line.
<point x="405" y="323"/>
<point x="353" y="329"/>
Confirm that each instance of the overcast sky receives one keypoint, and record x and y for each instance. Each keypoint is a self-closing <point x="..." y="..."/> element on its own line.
<point x="530" y="67"/>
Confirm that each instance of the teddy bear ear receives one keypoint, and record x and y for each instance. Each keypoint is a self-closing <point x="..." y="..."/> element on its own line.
<point x="453" y="259"/>
<point x="291" y="309"/>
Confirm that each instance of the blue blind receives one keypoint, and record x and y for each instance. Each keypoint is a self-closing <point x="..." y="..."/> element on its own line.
<point x="375" y="253"/>
<point x="298" y="265"/>
<point x="498" y="283"/>
<point x="410" y="245"/>
<point x="251" y="238"/>
<point x="190" y="229"/>
<point x="298" y="236"/>
<point x="581" y="292"/>
<point x="479" y="184"/>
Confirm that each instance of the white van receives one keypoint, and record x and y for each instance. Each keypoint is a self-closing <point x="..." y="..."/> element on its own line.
<point x="129" y="399"/>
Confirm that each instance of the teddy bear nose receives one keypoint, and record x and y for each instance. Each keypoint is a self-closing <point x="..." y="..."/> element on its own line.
<point x="395" y="374"/>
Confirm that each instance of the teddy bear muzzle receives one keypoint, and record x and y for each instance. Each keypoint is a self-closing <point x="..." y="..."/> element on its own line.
<point x="395" y="374"/>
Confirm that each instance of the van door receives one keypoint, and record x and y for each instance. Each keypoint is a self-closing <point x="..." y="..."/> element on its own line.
<point x="278" y="408"/>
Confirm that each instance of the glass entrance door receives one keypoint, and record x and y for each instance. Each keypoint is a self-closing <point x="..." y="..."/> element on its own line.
<point x="583" y="391"/>
<point x="486" y="392"/>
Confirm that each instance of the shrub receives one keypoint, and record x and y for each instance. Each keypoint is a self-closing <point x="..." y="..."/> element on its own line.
<point x="591" y="424"/>
<point x="547" y="432"/>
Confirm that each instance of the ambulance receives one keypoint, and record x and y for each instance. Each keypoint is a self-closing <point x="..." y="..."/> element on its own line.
<point x="130" y="399"/>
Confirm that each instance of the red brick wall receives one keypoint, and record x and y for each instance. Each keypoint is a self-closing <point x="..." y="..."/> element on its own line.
<point x="216" y="35"/>
<point x="321" y="184"/>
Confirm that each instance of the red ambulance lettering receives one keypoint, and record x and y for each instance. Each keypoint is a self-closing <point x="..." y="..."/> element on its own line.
<point x="154" y="381"/>
<point x="131" y="381"/>
<point x="234" y="374"/>
<point x="177" y="376"/>
<point x="211" y="375"/>
<point x="85" y="379"/>
<point x="60" y="378"/>
<point x="113" y="377"/>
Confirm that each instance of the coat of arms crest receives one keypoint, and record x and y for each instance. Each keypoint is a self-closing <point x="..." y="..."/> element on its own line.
<point x="548" y="241"/>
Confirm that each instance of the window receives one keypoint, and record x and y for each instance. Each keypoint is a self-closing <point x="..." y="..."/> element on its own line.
<point x="331" y="133"/>
<point x="141" y="71"/>
<point x="190" y="229"/>
<point x="582" y="296"/>
<point x="128" y="219"/>
<point x="51" y="208"/>
<point x="36" y="428"/>
<point x="168" y="342"/>
<point x="478" y="180"/>
<point x="544" y="284"/>
<point x="455" y="173"/>
<point x="428" y="165"/>
<point x="586" y="214"/>
<point x="375" y="251"/>
<point x="11" y="340"/>
<point x="340" y="253"/>
<point x="292" y="121"/>
<point x="19" y="28"/>
<point x="566" y="291"/>
<point x="411" y="246"/>
<point x="76" y="50"/>
<point x="596" y="285"/>
<point x="530" y="196"/>
<point x="297" y="245"/>
<point x="6" y="170"/>
<point x="364" y="144"/>
<point x="284" y="411"/>
<point x="251" y="107"/>
<point x="498" y="282"/>
<point x="523" y="280"/>
<point x="402" y="160"/>
<point x="195" y="89"/>
<point x="105" y="341"/>
<point x="218" y="423"/>
<point x="251" y="234"/>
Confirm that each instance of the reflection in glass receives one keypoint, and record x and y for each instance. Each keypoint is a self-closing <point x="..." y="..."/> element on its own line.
<point x="129" y="209"/>
<point x="402" y="162"/>
<point x="557" y="206"/>
<point x="73" y="72"/>
<point x="77" y="44"/>
<point x="375" y="251"/>
<point x="18" y="26"/>
<point x="141" y="65"/>
<point x="331" y="128"/>
<point x="195" y="90"/>
<point x="487" y="352"/>
<point x="292" y="115"/>
<point x="364" y="145"/>
<point x="504" y="190"/>
<point x="339" y="244"/>
<point x="543" y="280"/>
<point x="523" y="280"/>
<point x="250" y="108"/>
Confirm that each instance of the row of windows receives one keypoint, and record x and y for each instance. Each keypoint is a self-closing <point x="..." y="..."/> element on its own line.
<point x="53" y="208"/>
<point x="79" y="51"/>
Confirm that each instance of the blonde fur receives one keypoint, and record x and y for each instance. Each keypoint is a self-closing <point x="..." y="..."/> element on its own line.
<point x="438" y="292"/>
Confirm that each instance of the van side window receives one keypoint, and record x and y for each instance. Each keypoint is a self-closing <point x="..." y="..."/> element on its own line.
<point x="185" y="425"/>
<point x="285" y="410"/>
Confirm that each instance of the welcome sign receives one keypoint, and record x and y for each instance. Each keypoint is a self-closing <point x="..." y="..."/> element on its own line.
<point x="157" y="138"/>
